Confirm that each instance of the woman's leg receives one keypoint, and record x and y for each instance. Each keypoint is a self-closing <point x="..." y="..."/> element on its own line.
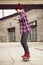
<point x="24" y="38"/>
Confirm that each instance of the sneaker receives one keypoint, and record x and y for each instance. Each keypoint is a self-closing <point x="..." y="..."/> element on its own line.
<point x="27" y="55"/>
<point x="23" y="55"/>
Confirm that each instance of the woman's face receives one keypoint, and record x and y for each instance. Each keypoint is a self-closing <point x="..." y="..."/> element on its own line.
<point x="18" y="11"/>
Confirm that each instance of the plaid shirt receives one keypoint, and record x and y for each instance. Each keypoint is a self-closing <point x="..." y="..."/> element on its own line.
<point x="24" y="24"/>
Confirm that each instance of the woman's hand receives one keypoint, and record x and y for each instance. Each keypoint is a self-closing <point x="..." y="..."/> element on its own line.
<point x="16" y="19"/>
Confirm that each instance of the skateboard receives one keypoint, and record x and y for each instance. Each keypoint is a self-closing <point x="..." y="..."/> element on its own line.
<point x="25" y="59"/>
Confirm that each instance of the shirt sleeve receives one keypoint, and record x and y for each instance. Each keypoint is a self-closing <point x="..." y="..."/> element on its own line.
<point x="22" y="18"/>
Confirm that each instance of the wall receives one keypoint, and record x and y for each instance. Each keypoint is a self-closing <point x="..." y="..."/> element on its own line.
<point x="40" y="30"/>
<point x="21" y="1"/>
<point x="8" y="23"/>
<point x="33" y="15"/>
<point x="37" y="15"/>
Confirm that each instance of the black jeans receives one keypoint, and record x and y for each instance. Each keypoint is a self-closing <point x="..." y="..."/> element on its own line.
<point x="24" y="38"/>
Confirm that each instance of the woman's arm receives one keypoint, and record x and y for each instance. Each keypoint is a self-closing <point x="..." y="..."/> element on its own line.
<point x="16" y="19"/>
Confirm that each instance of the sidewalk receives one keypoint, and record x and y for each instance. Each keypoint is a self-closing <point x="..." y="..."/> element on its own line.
<point x="10" y="53"/>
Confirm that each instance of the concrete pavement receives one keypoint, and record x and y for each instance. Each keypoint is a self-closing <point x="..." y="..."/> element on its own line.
<point x="10" y="53"/>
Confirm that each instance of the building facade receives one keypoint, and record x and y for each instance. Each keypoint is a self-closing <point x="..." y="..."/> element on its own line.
<point x="10" y="30"/>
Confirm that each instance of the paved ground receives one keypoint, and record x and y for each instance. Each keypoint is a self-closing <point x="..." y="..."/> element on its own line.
<point x="10" y="53"/>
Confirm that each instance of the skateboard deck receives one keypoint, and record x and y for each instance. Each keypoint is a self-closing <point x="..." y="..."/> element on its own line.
<point x="25" y="59"/>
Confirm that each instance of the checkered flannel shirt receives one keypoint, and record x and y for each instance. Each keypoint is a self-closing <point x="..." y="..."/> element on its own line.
<point x="24" y="23"/>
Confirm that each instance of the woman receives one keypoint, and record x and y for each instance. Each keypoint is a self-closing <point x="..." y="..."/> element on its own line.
<point x="24" y="29"/>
